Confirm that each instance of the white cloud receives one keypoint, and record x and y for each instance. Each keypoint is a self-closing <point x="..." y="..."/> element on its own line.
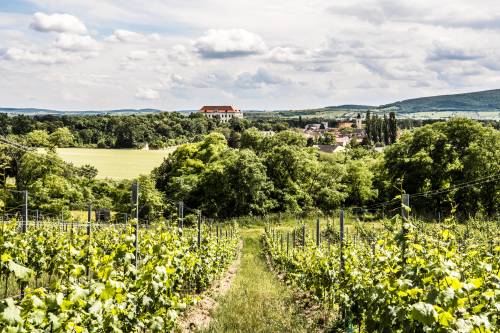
<point x="147" y="93"/>
<point x="360" y="49"/>
<point x="286" y="54"/>
<point x="443" y="51"/>
<point x="459" y="76"/>
<point x="49" y="57"/>
<point x="172" y="81"/>
<point x="181" y="55"/>
<point x="58" y="23"/>
<point x="481" y="14"/>
<point x="229" y="43"/>
<point x="138" y="55"/>
<point x="127" y="36"/>
<point x="262" y="77"/>
<point x="75" y="43"/>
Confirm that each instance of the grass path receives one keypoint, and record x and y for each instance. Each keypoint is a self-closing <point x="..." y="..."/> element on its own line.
<point x="257" y="301"/>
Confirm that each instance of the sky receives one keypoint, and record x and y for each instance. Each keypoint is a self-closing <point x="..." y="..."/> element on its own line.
<point x="259" y="54"/>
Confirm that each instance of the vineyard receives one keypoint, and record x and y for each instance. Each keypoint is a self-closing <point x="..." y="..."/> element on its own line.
<point x="397" y="275"/>
<point x="100" y="278"/>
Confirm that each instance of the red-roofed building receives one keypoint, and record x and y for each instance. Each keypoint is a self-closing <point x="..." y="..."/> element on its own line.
<point x="223" y="112"/>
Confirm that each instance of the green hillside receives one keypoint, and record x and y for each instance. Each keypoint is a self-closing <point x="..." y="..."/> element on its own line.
<point x="477" y="101"/>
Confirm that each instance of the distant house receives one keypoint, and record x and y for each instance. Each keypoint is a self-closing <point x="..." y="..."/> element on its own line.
<point x="344" y="124"/>
<point x="342" y="141"/>
<point x="223" y="112"/>
<point x="316" y="127"/>
<point x="330" y="148"/>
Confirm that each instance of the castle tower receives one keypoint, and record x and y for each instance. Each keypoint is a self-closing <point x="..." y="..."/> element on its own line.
<point x="359" y="121"/>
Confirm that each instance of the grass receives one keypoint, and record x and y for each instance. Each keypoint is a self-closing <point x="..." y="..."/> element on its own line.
<point x="257" y="301"/>
<point x="116" y="163"/>
<point x="288" y="222"/>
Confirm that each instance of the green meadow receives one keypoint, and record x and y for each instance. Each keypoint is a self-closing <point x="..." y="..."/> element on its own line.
<point x="116" y="163"/>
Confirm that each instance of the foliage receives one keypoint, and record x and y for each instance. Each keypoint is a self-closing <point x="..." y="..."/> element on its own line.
<point x="160" y="130"/>
<point x="61" y="137"/>
<point x="119" y="294"/>
<point x="381" y="129"/>
<point x="436" y="157"/>
<point x="38" y="138"/>
<point x="269" y="173"/>
<point x="432" y="278"/>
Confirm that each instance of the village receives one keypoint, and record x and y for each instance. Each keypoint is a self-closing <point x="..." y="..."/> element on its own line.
<point x="327" y="139"/>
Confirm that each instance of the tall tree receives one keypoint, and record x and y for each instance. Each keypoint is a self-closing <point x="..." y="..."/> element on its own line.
<point x="385" y="126"/>
<point x="380" y="130"/>
<point x="368" y="125"/>
<point x="393" y="127"/>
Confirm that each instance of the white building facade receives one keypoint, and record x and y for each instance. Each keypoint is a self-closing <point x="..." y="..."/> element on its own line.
<point x="224" y="112"/>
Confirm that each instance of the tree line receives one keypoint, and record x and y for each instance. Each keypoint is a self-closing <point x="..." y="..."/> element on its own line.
<point x="158" y="130"/>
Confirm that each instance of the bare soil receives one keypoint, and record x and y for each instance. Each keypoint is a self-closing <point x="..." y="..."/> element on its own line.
<point x="198" y="316"/>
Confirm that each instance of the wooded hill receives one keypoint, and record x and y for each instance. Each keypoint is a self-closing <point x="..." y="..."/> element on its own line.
<point x="476" y="101"/>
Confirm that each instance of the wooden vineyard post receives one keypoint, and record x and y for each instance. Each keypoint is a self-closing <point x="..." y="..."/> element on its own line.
<point x="318" y="240"/>
<point x="405" y="205"/>
<point x="199" y="230"/>
<point x="89" y="216"/>
<point x="342" y="263"/>
<point x="287" y="241"/>
<point x="24" y="228"/>
<point x="25" y="212"/>
<point x="135" y="203"/>
<point x="181" y="214"/>
<point x="281" y="242"/>
<point x="294" y="236"/>
<point x="342" y="241"/>
<point x="36" y="218"/>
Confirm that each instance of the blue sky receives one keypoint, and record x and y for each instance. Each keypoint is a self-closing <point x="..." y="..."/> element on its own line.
<point x="260" y="54"/>
<point x="18" y="6"/>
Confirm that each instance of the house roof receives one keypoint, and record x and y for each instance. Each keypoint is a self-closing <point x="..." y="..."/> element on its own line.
<point x="218" y="108"/>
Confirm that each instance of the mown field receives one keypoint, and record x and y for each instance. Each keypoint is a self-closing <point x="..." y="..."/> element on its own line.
<point x="116" y="163"/>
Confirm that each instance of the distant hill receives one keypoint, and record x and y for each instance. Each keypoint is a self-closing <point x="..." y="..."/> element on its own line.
<point x="483" y="105"/>
<point x="476" y="101"/>
<point x="352" y="107"/>
<point x="444" y="106"/>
